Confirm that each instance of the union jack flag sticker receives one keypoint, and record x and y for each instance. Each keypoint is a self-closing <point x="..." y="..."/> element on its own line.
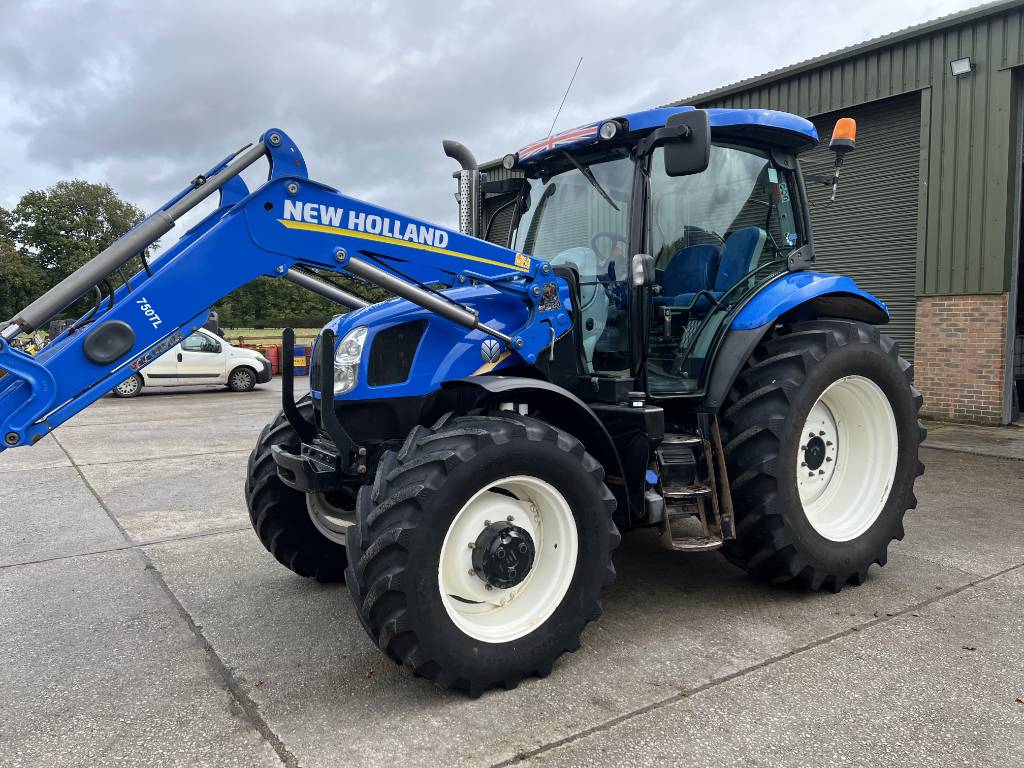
<point x="573" y="136"/>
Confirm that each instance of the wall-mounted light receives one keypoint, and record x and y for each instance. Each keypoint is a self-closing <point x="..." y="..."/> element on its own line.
<point x="961" y="67"/>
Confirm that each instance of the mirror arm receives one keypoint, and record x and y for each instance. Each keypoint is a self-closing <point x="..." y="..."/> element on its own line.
<point x="667" y="133"/>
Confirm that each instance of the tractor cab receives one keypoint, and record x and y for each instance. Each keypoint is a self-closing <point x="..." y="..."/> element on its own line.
<point x="671" y="218"/>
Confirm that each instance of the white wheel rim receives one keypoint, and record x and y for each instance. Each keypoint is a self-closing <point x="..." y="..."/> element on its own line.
<point x="129" y="386"/>
<point x="846" y="458"/>
<point x="240" y="379"/>
<point x="330" y="520"/>
<point x="494" y="615"/>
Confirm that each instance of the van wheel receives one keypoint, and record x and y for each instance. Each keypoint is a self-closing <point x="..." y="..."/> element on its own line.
<point x="130" y="387"/>
<point x="242" y="379"/>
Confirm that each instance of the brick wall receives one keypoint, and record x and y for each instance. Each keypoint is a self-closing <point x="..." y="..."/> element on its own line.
<point x="959" y="356"/>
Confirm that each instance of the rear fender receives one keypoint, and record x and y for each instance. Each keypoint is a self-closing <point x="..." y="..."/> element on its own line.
<point x="793" y="297"/>
<point x="561" y="409"/>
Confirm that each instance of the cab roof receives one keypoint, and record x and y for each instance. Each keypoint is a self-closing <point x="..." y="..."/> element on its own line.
<point x="765" y="126"/>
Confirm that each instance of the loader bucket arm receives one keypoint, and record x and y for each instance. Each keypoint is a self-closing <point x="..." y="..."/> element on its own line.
<point x="282" y="229"/>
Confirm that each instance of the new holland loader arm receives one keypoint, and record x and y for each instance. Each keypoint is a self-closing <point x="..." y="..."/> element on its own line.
<point x="283" y="228"/>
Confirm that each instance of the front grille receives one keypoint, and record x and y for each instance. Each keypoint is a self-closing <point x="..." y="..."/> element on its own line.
<point x="392" y="353"/>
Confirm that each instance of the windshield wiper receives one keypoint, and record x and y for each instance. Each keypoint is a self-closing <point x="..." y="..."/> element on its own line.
<point x="589" y="176"/>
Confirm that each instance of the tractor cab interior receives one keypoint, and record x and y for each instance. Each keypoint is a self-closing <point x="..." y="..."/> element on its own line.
<point x="715" y="237"/>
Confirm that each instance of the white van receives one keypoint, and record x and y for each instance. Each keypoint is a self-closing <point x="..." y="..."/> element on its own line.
<point x="202" y="358"/>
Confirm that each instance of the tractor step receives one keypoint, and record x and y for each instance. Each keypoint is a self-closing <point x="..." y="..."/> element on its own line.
<point x="680" y="495"/>
<point x="696" y="543"/>
<point x="685" y="529"/>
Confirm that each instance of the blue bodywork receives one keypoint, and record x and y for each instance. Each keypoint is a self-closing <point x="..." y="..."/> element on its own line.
<point x="789" y="129"/>
<point x="292" y="221"/>
<point x="792" y="290"/>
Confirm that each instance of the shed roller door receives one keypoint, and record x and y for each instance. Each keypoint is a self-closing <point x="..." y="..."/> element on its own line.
<point x="870" y="231"/>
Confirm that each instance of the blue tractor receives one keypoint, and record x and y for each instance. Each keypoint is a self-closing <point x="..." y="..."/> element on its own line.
<point x="651" y="348"/>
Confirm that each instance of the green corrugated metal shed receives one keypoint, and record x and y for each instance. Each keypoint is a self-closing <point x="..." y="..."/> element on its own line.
<point x="967" y="131"/>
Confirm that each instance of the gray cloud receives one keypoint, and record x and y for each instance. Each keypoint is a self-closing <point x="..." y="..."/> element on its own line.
<point x="144" y="95"/>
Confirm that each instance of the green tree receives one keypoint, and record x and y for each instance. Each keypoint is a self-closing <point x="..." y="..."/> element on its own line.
<point x="62" y="227"/>
<point x="22" y="279"/>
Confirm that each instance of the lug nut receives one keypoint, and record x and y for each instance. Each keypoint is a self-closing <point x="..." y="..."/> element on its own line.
<point x="803" y="463"/>
<point x="821" y="471"/>
<point x="486" y="523"/>
<point x="488" y="587"/>
<point x="472" y="545"/>
<point x="828" y="458"/>
<point x="500" y="552"/>
<point x="510" y="518"/>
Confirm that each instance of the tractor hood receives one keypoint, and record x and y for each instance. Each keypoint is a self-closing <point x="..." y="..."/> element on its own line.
<point x="409" y="351"/>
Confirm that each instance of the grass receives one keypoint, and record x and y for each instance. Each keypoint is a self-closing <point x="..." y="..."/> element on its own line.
<point x="268" y="335"/>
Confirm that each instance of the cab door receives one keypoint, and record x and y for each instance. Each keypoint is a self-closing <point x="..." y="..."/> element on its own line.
<point x="201" y="360"/>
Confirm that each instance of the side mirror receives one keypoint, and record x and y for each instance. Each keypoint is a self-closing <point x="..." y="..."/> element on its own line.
<point x="642" y="270"/>
<point x="690" y="150"/>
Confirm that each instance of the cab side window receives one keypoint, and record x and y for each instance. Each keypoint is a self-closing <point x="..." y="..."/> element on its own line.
<point x="200" y="342"/>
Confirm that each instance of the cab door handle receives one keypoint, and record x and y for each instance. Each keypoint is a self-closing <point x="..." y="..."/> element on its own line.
<point x="179" y="357"/>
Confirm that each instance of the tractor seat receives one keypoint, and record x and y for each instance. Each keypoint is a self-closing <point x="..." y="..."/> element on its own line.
<point x="691" y="269"/>
<point x="740" y="254"/>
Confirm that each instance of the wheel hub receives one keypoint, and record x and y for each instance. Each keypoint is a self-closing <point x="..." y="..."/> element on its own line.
<point x="503" y="554"/>
<point x="814" y="452"/>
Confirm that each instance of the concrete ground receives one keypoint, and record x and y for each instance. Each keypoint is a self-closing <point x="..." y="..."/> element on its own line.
<point x="142" y="623"/>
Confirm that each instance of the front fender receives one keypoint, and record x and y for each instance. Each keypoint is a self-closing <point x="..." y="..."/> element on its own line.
<point x="561" y="409"/>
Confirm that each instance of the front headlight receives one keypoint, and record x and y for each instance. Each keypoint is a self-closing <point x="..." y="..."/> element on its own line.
<point x="346" y="360"/>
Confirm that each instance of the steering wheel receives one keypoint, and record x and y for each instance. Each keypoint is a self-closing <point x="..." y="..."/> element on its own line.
<point x="614" y="237"/>
<point x="609" y="258"/>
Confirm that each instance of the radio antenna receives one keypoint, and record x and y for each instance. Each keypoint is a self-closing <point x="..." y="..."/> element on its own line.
<point x="571" y="79"/>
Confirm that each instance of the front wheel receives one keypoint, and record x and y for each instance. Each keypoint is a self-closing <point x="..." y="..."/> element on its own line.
<point x="479" y="554"/>
<point x="302" y="536"/>
<point x="822" y="442"/>
<point x="242" y="379"/>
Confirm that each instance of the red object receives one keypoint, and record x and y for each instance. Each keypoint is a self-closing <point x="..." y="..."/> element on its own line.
<point x="274" y="356"/>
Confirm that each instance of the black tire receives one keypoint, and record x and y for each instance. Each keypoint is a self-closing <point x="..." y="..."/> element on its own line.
<point x="278" y="513"/>
<point x="403" y="519"/>
<point x="242" y="379"/>
<point x="130" y="387"/>
<point x="763" y="425"/>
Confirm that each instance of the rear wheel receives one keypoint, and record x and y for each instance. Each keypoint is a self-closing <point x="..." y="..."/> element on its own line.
<point x="480" y="552"/>
<point x="291" y="530"/>
<point x="822" y="449"/>
<point x="130" y="387"/>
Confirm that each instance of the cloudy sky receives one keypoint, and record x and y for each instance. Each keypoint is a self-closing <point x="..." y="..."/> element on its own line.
<point x="143" y="95"/>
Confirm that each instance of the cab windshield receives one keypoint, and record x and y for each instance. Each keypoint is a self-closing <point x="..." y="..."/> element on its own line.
<point x="579" y="217"/>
